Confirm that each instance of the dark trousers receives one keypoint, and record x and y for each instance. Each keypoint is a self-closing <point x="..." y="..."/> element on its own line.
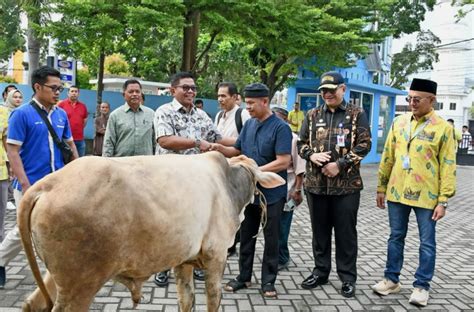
<point x="338" y="212"/>
<point x="462" y="150"/>
<point x="285" y="226"/>
<point x="248" y="229"/>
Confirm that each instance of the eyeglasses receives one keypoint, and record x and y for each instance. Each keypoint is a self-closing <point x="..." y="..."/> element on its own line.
<point x="55" y="88"/>
<point x="415" y="99"/>
<point x="186" y="88"/>
<point x="327" y="90"/>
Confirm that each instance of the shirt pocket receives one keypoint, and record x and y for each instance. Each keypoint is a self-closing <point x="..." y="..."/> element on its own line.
<point x="267" y="149"/>
<point x="425" y="144"/>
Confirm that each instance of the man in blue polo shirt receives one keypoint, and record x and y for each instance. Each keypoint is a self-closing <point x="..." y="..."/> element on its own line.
<point x="31" y="149"/>
<point x="266" y="139"/>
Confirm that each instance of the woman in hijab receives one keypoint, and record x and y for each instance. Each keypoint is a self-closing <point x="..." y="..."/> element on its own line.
<point x="14" y="99"/>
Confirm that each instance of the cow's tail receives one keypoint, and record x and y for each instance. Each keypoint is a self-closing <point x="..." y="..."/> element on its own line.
<point x="25" y="208"/>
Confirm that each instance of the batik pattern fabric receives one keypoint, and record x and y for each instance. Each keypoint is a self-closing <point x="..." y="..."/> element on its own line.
<point x="195" y="124"/>
<point x="430" y="177"/>
<point x="319" y="133"/>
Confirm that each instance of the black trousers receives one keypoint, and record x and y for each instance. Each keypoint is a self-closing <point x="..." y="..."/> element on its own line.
<point x="463" y="150"/>
<point x="248" y="229"/>
<point x="338" y="212"/>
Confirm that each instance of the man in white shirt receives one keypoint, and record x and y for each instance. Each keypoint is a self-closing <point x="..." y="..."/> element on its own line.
<point x="466" y="140"/>
<point x="229" y="122"/>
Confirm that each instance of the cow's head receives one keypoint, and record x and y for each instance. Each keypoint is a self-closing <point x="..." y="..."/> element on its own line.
<point x="266" y="179"/>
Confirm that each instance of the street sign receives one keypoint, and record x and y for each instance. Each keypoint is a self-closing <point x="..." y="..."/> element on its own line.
<point x="67" y="68"/>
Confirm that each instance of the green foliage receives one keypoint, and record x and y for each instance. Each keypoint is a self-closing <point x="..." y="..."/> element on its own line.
<point x="7" y="79"/>
<point x="227" y="60"/>
<point x="116" y="65"/>
<point x="465" y="6"/>
<point x="82" y="78"/>
<point x="404" y="16"/>
<point x="236" y="40"/>
<point x="90" y="28"/>
<point x="11" y="36"/>
<point x="414" y="59"/>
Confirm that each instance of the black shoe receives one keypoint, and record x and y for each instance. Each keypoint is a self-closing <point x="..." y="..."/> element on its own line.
<point x="348" y="289"/>
<point x="3" y="277"/>
<point x="231" y="251"/>
<point x="162" y="279"/>
<point x="313" y="281"/>
<point x="199" y="274"/>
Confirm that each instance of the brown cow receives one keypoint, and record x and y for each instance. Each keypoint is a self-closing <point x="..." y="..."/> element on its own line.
<point x="127" y="218"/>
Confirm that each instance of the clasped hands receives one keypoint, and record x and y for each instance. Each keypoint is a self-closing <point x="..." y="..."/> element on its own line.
<point x="330" y="169"/>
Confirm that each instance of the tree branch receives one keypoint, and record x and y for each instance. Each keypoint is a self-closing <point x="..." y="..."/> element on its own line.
<point x="205" y="51"/>
<point x="276" y="67"/>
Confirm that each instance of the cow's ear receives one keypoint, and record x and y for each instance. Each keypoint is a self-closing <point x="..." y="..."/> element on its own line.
<point x="269" y="179"/>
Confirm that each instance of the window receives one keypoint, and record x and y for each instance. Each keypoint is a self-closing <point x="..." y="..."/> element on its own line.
<point x="364" y="100"/>
<point x="439" y="106"/>
<point x="384" y="122"/>
<point x="309" y="100"/>
<point x="452" y="106"/>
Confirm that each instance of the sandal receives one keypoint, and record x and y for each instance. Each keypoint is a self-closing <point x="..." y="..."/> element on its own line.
<point x="269" y="291"/>
<point x="235" y="285"/>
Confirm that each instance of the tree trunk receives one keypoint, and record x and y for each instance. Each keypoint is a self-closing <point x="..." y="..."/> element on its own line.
<point x="100" y="81"/>
<point x="190" y="39"/>
<point x="34" y="46"/>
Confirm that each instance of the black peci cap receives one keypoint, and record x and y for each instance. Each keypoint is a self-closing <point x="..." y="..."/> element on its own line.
<point x="424" y="85"/>
<point x="256" y="90"/>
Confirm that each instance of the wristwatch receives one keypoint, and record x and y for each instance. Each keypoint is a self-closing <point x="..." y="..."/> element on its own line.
<point x="298" y="190"/>
<point x="197" y="143"/>
<point x="444" y="204"/>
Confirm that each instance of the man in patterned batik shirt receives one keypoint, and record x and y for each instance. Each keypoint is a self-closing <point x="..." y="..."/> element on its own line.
<point x="181" y="128"/>
<point x="417" y="172"/>
<point x="333" y="140"/>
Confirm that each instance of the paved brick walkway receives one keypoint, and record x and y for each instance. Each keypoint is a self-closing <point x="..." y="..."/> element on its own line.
<point x="453" y="285"/>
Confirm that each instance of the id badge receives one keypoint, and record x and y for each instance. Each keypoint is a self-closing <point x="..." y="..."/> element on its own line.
<point x="406" y="162"/>
<point x="341" y="142"/>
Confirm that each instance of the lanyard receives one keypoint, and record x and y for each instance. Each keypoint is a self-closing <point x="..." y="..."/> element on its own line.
<point x="420" y="128"/>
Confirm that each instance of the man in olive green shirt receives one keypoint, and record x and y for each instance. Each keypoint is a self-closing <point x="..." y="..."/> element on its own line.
<point x="417" y="172"/>
<point x="130" y="129"/>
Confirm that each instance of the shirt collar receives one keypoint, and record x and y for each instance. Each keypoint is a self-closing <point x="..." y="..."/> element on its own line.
<point x="53" y="108"/>
<point x="178" y="107"/>
<point x="342" y="106"/>
<point x="425" y="117"/>
<point x="127" y="108"/>
<point x="236" y="107"/>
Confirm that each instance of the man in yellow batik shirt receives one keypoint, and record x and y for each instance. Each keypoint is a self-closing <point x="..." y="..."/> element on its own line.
<point x="295" y="118"/>
<point x="417" y="172"/>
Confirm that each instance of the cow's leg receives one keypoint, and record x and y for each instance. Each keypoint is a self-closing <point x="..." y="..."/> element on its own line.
<point x="185" y="286"/>
<point x="135" y="287"/>
<point x="36" y="301"/>
<point x="215" y="269"/>
<point x="77" y="296"/>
